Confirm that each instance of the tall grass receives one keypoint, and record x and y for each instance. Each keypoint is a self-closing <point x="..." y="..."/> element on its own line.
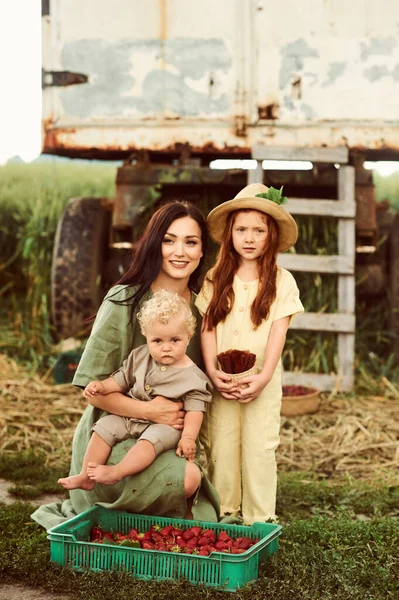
<point x="32" y="199"/>
<point x="387" y="188"/>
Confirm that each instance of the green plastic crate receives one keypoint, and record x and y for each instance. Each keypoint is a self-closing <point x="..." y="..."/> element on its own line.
<point x="65" y="366"/>
<point x="70" y="546"/>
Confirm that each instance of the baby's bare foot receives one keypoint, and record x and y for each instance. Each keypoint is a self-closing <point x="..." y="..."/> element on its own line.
<point x="103" y="474"/>
<point x="77" y="481"/>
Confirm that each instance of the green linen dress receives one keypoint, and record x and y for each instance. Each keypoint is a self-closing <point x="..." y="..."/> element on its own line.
<point x="159" y="489"/>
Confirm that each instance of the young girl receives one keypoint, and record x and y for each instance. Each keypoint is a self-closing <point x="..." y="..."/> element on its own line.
<point x="161" y="367"/>
<point x="248" y="303"/>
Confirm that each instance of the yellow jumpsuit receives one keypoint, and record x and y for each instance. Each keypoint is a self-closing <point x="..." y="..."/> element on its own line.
<point x="240" y="440"/>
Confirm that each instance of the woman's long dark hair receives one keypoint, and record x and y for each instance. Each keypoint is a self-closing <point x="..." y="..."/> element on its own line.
<point x="147" y="251"/>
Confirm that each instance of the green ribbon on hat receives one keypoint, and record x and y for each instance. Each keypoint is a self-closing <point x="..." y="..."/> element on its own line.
<point x="274" y="195"/>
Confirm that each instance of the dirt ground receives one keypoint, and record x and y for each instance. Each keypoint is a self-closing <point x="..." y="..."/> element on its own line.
<point x="8" y="499"/>
<point x="21" y="592"/>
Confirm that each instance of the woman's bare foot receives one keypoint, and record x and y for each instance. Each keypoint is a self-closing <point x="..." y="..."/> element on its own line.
<point x="108" y="475"/>
<point x="82" y="482"/>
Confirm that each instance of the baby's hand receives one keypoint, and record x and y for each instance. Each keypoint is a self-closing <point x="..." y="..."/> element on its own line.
<point x="187" y="448"/>
<point x="94" y="388"/>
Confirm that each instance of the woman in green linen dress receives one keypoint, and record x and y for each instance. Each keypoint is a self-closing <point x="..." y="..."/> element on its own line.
<point x="169" y="256"/>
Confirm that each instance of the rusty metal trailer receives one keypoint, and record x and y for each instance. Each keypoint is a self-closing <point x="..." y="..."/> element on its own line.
<point x="167" y="86"/>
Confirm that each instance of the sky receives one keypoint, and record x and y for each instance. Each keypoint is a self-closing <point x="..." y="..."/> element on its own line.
<point x="20" y="97"/>
<point x="20" y="68"/>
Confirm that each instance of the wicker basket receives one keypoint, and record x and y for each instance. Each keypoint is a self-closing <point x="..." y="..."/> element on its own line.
<point x="293" y="406"/>
<point x="237" y="376"/>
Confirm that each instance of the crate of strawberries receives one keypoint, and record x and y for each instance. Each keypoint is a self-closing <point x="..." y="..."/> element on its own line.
<point x="214" y="554"/>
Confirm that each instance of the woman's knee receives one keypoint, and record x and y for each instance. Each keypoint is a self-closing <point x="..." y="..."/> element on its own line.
<point x="192" y="479"/>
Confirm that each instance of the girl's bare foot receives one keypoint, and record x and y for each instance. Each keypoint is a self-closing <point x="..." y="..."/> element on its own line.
<point x="108" y="475"/>
<point x="83" y="482"/>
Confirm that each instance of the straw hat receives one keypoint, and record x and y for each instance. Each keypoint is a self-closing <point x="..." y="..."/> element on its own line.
<point x="247" y="199"/>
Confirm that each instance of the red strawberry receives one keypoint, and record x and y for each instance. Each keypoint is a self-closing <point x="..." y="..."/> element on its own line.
<point x="133" y="533"/>
<point x="155" y="528"/>
<point x="202" y="541"/>
<point x="203" y="552"/>
<point x="169" y="540"/>
<point x="160" y="546"/>
<point x="109" y="536"/>
<point x="165" y="531"/>
<point x="210" y="534"/>
<point x="245" y="543"/>
<point x="220" y="546"/>
<point x="176" y="531"/>
<point x="96" y="533"/>
<point x="237" y="550"/>
<point x="224" y="537"/>
<point x="146" y="545"/>
<point x="147" y="536"/>
<point x="192" y="543"/>
<point x="229" y="543"/>
<point x="188" y="551"/>
<point x="180" y="542"/>
<point x="187" y="535"/>
<point x="196" y="531"/>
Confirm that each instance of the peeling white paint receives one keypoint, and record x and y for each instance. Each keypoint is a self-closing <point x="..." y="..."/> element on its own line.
<point x="329" y="70"/>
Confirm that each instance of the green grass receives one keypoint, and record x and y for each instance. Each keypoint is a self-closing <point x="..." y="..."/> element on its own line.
<point x="387" y="188"/>
<point x="339" y="541"/>
<point x="299" y="494"/>
<point x="28" y="471"/>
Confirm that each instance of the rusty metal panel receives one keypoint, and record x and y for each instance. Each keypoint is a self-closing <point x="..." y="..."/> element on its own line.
<point x="222" y="76"/>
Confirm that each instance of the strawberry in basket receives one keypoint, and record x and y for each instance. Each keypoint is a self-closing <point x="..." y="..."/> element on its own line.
<point x="237" y="363"/>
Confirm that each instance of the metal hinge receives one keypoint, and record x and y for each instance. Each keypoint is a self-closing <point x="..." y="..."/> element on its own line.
<point x="62" y="78"/>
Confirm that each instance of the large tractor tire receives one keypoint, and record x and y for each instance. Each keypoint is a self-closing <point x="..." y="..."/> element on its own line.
<point x="80" y="250"/>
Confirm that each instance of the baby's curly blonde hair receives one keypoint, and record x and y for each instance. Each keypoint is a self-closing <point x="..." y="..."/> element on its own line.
<point x="162" y="307"/>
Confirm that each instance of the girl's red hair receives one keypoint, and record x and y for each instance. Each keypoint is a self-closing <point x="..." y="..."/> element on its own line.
<point x="227" y="263"/>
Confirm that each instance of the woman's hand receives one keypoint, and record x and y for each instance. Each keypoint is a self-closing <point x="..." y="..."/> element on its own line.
<point x="94" y="388"/>
<point x="251" y="387"/>
<point x="165" y="412"/>
<point x="223" y="384"/>
<point x="187" y="447"/>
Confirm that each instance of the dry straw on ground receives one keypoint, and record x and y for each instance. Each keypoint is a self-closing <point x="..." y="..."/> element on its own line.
<point x="36" y="414"/>
<point x="359" y="435"/>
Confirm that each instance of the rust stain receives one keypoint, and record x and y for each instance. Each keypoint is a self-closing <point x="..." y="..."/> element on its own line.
<point x="56" y="142"/>
<point x="60" y="141"/>
<point x="52" y="138"/>
<point x="240" y="125"/>
<point x="269" y="111"/>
